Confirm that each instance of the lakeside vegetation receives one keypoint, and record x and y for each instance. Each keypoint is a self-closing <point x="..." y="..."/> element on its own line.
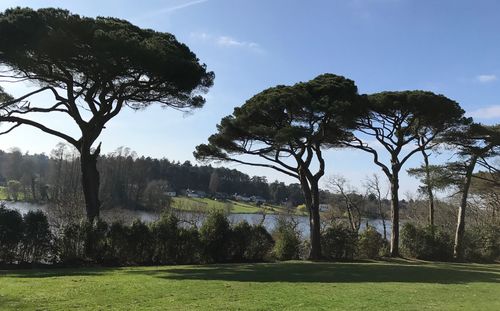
<point x="230" y="206"/>
<point x="206" y="205"/>
<point x="273" y="286"/>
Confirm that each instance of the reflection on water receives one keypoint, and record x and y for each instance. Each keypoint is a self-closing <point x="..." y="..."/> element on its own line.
<point x="195" y="218"/>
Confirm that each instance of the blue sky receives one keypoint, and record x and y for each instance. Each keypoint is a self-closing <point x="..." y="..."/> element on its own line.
<point x="449" y="47"/>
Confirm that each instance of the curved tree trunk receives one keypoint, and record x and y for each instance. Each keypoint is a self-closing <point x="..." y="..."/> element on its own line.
<point x="311" y="198"/>
<point x="395" y="213"/>
<point x="314" y="220"/>
<point x="459" y="234"/>
<point x="90" y="182"/>
<point x="430" y="193"/>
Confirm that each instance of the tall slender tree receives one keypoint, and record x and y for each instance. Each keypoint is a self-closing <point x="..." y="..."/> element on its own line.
<point x="476" y="145"/>
<point x="287" y="128"/>
<point x="433" y="179"/>
<point x="92" y="68"/>
<point x="395" y="122"/>
<point x="373" y="186"/>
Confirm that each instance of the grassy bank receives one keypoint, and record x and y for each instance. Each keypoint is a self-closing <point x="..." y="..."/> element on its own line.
<point x="205" y="204"/>
<point x="275" y="286"/>
<point x="3" y="194"/>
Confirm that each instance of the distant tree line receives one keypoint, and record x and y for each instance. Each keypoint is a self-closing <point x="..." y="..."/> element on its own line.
<point x="127" y="179"/>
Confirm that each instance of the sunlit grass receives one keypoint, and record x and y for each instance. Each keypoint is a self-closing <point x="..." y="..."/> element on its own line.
<point x="274" y="286"/>
<point x="205" y="204"/>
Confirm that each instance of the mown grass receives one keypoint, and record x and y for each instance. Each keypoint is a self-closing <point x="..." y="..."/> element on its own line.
<point x="272" y="286"/>
<point x="205" y="204"/>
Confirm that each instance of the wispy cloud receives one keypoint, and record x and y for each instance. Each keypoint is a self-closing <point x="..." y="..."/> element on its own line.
<point x="229" y="41"/>
<point x="491" y="112"/>
<point x="226" y="41"/>
<point x="486" y="78"/>
<point x="170" y="9"/>
<point x="181" y="6"/>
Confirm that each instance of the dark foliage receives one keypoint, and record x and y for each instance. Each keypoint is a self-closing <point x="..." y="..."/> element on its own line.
<point x="11" y="233"/>
<point x="426" y="243"/>
<point x="370" y="243"/>
<point x="287" y="240"/>
<point x="140" y="248"/>
<point x="250" y="243"/>
<point x="482" y="243"/>
<point x="37" y="238"/>
<point x="339" y="243"/>
<point x="215" y="236"/>
<point x="118" y="251"/>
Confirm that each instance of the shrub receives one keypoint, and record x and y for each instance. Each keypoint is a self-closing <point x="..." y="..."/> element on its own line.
<point x="370" y="243"/>
<point x="11" y="233"/>
<point x="215" y="237"/>
<point x="165" y="234"/>
<point x="260" y="245"/>
<point x="240" y="241"/>
<point x="188" y="251"/>
<point x="37" y="238"/>
<point x="482" y="243"/>
<point x="250" y="243"/>
<point x="409" y="240"/>
<point x="426" y="243"/>
<point x="305" y="249"/>
<point x="71" y="244"/>
<point x="118" y="250"/>
<point x="95" y="243"/>
<point x="338" y="242"/>
<point x="84" y="242"/>
<point x="140" y="243"/>
<point x="287" y="240"/>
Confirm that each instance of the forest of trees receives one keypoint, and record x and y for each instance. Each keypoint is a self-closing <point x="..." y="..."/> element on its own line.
<point x="127" y="178"/>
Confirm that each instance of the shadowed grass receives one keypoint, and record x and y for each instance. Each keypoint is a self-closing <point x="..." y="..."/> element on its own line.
<point x="269" y="286"/>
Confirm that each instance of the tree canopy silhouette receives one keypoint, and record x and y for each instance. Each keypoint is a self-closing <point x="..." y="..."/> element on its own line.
<point x="286" y="128"/>
<point x="403" y="123"/>
<point x="93" y="67"/>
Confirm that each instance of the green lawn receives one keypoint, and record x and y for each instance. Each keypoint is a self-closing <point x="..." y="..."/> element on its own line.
<point x="274" y="286"/>
<point x="190" y="204"/>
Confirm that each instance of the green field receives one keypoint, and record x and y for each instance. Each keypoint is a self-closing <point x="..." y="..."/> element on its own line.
<point x="3" y="193"/>
<point x="205" y="204"/>
<point x="273" y="286"/>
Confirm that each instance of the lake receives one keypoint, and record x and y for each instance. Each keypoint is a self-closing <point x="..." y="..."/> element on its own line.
<point x="269" y="222"/>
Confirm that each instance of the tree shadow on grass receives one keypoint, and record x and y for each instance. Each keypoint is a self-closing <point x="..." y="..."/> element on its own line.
<point x="53" y="272"/>
<point x="329" y="273"/>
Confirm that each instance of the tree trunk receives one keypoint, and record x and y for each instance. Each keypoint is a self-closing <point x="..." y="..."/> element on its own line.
<point x="395" y="213"/>
<point x="459" y="234"/>
<point x="312" y="206"/>
<point x="430" y="194"/>
<point x="315" y="225"/>
<point x="90" y="182"/>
